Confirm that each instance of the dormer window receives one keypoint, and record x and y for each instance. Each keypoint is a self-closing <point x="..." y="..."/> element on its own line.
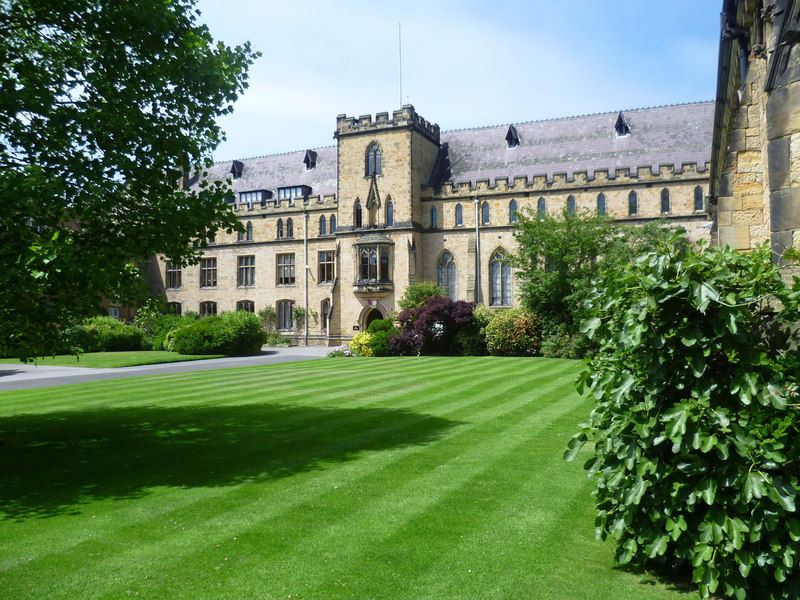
<point x="621" y="126"/>
<point x="254" y="198"/>
<point x="237" y="167"/>
<point x="310" y="160"/>
<point x="512" y="137"/>
<point x="291" y="193"/>
<point x="373" y="162"/>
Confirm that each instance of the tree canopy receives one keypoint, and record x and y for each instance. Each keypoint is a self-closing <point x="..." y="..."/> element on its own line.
<point x="559" y="258"/>
<point x="105" y="106"/>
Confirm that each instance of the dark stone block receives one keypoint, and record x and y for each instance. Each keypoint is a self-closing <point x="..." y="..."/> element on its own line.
<point x="726" y="185"/>
<point x="779" y="163"/>
<point x="785" y="209"/>
<point x="783" y="111"/>
<point x="738" y="141"/>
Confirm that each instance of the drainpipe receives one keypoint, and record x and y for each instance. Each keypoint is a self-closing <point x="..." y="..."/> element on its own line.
<point x="477" y="252"/>
<point x="305" y="276"/>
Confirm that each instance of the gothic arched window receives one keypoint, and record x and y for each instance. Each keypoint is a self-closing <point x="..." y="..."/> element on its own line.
<point x="389" y="214"/>
<point x="601" y="204"/>
<point x="459" y="215"/>
<point x="633" y="204"/>
<point x="434" y="218"/>
<point x="500" y="278"/>
<point x="485" y="213"/>
<point x="249" y="232"/>
<point x="357" y="214"/>
<point x="571" y="204"/>
<point x="279" y="229"/>
<point x="512" y="211"/>
<point x="699" y="204"/>
<point x="373" y="162"/>
<point x="333" y="224"/>
<point x="446" y="274"/>
<point x="322" y="229"/>
<point x="665" y="201"/>
<point x="541" y="207"/>
<point x="289" y="228"/>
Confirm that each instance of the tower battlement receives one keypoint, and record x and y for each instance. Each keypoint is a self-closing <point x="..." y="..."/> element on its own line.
<point x="405" y="117"/>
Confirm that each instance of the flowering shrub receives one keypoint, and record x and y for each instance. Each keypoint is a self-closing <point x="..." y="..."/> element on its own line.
<point x="336" y="351"/>
<point x="514" y="332"/>
<point x="360" y="344"/>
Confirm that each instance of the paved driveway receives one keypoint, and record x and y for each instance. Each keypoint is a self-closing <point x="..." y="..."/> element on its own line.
<point x="23" y="377"/>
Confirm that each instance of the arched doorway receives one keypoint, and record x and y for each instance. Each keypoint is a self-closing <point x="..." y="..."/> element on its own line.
<point x="371" y="316"/>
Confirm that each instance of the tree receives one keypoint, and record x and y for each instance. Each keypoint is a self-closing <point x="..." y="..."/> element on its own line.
<point x="105" y="106"/>
<point x="416" y="294"/>
<point x="432" y="328"/>
<point x="557" y="259"/>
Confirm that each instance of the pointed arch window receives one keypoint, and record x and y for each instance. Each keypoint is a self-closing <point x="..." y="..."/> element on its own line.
<point x="541" y="207"/>
<point x="333" y="224"/>
<point x="699" y="204"/>
<point x="279" y="229"/>
<point x="248" y="234"/>
<point x="322" y="228"/>
<point x="512" y="211"/>
<point x="500" y="277"/>
<point x="357" y="214"/>
<point x="373" y="162"/>
<point x="571" y="204"/>
<point x="459" y="215"/>
<point x="289" y="228"/>
<point x="601" y="204"/>
<point x="665" y="207"/>
<point x="485" y="213"/>
<point x="633" y="204"/>
<point x="389" y="214"/>
<point x="434" y="217"/>
<point x="446" y="274"/>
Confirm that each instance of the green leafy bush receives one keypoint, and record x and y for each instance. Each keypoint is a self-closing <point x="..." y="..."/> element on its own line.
<point x="558" y="341"/>
<point x="381" y="330"/>
<point x="105" y="334"/>
<point x="696" y="430"/>
<point x="471" y="340"/>
<point x="235" y="333"/>
<point x="514" y="332"/>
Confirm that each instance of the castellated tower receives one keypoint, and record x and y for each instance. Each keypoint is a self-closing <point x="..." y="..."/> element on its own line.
<point x="382" y="167"/>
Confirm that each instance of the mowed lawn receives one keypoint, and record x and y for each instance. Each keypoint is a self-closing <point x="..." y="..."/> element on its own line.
<point x="379" y="478"/>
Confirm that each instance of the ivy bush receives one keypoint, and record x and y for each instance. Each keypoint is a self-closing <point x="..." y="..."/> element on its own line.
<point x="696" y="428"/>
<point x="514" y="332"/>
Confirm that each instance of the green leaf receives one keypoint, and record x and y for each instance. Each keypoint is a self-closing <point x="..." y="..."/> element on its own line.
<point x="793" y="527"/>
<point x="573" y="447"/>
<point x="753" y="485"/>
<point x="782" y="493"/>
<point x="658" y="546"/>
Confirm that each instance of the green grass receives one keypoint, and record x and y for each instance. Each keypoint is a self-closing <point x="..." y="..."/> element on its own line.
<point x="381" y="478"/>
<point x="104" y="360"/>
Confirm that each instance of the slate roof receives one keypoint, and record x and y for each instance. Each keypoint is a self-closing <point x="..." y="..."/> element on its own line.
<point x="670" y="135"/>
<point x="282" y="170"/>
<point x="665" y="135"/>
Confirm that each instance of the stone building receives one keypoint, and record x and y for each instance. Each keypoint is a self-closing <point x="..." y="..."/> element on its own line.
<point x="341" y="231"/>
<point x="755" y="171"/>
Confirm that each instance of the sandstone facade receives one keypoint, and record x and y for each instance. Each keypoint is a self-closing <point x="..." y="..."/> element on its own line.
<point x="341" y="231"/>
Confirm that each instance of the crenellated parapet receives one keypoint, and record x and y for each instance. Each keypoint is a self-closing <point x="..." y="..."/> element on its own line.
<point x="604" y="178"/>
<point x="284" y="206"/>
<point x="406" y="117"/>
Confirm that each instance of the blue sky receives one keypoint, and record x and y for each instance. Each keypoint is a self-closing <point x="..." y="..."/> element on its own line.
<point x="465" y="63"/>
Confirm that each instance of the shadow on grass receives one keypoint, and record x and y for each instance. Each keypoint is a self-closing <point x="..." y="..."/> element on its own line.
<point x="676" y="580"/>
<point x="53" y="463"/>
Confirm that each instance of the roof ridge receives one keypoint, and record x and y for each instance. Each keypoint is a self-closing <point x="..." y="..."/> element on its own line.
<point x="606" y="112"/>
<point x="219" y="162"/>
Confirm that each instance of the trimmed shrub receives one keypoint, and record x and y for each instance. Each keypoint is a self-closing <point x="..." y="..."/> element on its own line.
<point x="417" y="293"/>
<point x="696" y="428"/>
<point x="233" y="333"/>
<point x="105" y="334"/>
<point x="381" y="330"/>
<point x="514" y="332"/>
